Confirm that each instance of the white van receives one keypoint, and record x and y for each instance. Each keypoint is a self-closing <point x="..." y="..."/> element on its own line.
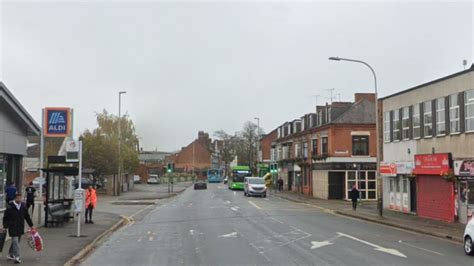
<point x="255" y="186"/>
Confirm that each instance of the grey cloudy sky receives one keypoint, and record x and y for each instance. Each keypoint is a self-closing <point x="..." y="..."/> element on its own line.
<point x="190" y="66"/>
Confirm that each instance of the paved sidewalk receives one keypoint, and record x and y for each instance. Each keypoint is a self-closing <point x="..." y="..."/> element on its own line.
<point x="368" y="211"/>
<point x="61" y="244"/>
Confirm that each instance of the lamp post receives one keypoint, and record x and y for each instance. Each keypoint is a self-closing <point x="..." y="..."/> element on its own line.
<point x="119" y="188"/>
<point x="379" y="181"/>
<point x="258" y="140"/>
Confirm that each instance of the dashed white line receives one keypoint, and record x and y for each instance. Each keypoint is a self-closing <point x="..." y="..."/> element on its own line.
<point x="255" y="205"/>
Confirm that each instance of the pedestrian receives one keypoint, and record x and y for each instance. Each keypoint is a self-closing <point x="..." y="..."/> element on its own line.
<point x="14" y="221"/>
<point x="280" y="184"/>
<point x="30" y="197"/>
<point x="10" y="192"/>
<point x="354" y="197"/>
<point x="91" y="201"/>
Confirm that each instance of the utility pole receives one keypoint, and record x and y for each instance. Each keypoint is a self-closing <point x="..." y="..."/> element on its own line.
<point x="119" y="178"/>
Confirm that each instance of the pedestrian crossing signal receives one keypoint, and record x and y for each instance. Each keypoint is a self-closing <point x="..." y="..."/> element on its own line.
<point x="273" y="168"/>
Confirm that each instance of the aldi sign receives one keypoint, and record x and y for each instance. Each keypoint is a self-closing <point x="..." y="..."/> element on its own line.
<point x="57" y="122"/>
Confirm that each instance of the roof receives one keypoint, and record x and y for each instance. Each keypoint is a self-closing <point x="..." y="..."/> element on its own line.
<point x="33" y="129"/>
<point x="52" y="145"/>
<point x="361" y="112"/>
<point x="430" y="82"/>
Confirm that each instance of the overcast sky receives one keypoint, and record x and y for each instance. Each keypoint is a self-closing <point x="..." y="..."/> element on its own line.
<point x="190" y="66"/>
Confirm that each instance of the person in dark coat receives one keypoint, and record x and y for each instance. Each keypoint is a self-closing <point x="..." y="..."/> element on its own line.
<point x="280" y="185"/>
<point x="30" y="197"/>
<point x="14" y="221"/>
<point x="354" y="197"/>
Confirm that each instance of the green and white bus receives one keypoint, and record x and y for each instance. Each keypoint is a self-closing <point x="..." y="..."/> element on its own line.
<point x="236" y="180"/>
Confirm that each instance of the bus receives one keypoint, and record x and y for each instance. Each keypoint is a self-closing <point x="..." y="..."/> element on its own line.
<point x="214" y="175"/>
<point x="236" y="180"/>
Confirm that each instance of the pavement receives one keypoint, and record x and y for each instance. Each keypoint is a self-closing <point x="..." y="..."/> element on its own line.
<point x="61" y="243"/>
<point x="218" y="226"/>
<point x="368" y="211"/>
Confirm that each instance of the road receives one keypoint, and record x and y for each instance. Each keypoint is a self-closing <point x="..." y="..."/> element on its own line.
<point x="222" y="227"/>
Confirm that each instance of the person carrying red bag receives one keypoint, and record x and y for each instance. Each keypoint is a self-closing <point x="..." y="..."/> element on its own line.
<point x="91" y="201"/>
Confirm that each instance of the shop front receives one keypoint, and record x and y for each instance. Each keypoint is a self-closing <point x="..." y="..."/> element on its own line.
<point x="335" y="180"/>
<point x="435" y="198"/>
<point x="464" y="172"/>
<point x="400" y="185"/>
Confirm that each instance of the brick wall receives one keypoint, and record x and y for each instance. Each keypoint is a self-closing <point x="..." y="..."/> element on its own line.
<point x="340" y="139"/>
<point x="266" y="145"/>
<point x="435" y="198"/>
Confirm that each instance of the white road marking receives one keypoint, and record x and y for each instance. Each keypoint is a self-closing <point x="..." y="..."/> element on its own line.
<point x="235" y="209"/>
<point x="150" y="238"/>
<point x="227" y="202"/>
<point x="233" y="234"/>
<point x="191" y="232"/>
<point x="377" y="247"/>
<point x="319" y="244"/>
<point x="255" y="205"/>
<point x="420" y="248"/>
<point x="276" y="220"/>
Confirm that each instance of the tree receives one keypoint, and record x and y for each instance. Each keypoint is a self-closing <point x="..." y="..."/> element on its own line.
<point x="100" y="146"/>
<point x="229" y="147"/>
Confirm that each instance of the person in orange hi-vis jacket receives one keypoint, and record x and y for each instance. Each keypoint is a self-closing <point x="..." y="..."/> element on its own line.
<point x="91" y="201"/>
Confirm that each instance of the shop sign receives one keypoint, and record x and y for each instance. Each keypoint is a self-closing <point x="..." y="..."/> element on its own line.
<point x="388" y="169"/>
<point x="432" y="164"/>
<point x="464" y="168"/>
<point x="57" y="122"/>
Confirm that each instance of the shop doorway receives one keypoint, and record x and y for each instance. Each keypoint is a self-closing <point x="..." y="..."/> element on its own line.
<point x="413" y="195"/>
<point x="290" y="180"/>
<point x="336" y="185"/>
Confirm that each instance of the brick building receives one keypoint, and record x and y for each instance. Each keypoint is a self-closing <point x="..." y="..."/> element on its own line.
<point x="428" y="162"/>
<point x="265" y="147"/>
<point x="195" y="157"/>
<point x="324" y="153"/>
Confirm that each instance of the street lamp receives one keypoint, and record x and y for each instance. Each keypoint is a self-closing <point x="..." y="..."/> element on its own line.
<point x="379" y="181"/>
<point x="119" y="143"/>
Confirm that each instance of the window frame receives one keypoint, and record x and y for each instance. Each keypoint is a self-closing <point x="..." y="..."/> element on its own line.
<point x="442" y="112"/>
<point x="457" y="108"/>
<point x="427" y="124"/>
<point x="325" y="145"/>
<point x="406" y="119"/>
<point x="314" y="148"/>
<point x="366" y="144"/>
<point x="386" y="127"/>
<point x="468" y="102"/>
<point x="396" y="125"/>
<point x="416" y="109"/>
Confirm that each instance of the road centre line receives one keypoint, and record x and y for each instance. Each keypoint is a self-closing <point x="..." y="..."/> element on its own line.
<point x="255" y="205"/>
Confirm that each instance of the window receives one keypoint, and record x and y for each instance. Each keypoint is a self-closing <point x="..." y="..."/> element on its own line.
<point x="360" y="145"/>
<point x="305" y="149"/>
<point x="328" y="115"/>
<point x="314" y="149"/>
<point x="440" y="117"/>
<point x="454" y="124"/>
<point x="405" y="123"/>
<point x="427" y="119"/>
<point x="469" y="109"/>
<point x="386" y="126"/>
<point x="324" y="145"/>
<point x="416" y="121"/>
<point x="396" y="125"/>
<point x="298" y="150"/>
<point x="3" y="176"/>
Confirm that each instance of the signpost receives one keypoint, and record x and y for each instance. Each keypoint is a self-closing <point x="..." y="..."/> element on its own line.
<point x="79" y="193"/>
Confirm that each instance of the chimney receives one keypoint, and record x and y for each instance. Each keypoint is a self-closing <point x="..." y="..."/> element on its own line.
<point x="368" y="96"/>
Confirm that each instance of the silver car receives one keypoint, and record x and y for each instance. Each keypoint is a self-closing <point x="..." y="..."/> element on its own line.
<point x="255" y="186"/>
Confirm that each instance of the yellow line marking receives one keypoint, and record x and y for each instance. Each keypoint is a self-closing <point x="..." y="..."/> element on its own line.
<point x="255" y="205"/>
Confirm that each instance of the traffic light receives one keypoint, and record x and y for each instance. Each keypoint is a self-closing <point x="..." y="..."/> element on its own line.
<point x="168" y="168"/>
<point x="273" y="168"/>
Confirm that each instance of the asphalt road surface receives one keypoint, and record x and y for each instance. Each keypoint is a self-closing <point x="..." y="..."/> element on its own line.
<point x="222" y="227"/>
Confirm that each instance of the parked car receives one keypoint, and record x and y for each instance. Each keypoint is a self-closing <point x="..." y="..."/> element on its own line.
<point x="468" y="238"/>
<point x="136" y="179"/>
<point x="201" y="184"/>
<point x="255" y="186"/>
<point x="226" y="179"/>
<point x="153" y="179"/>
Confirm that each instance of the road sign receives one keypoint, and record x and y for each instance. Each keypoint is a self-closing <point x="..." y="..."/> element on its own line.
<point x="57" y="122"/>
<point x="72" y="151"/>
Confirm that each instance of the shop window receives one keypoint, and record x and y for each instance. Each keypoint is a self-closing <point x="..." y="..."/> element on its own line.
<point x="397" y="185"/>
<point x="440" y="117"/>
<point x="405" y="123"/>
<point x="372" y="195"/>
<point x="405" y="185"/>
<point x="360" y="145"/>
<point x="470" y="198"/>
<point x="463" y="192"/>
<point x="454" y="115"/>
<point x="324" y="145"/>
<point x="396" y="125"/>
<point x="391" y="184"/>
<point x="469" y="109"/>
<point x="427" y="120"/>
<point x="366" y="183"/>
<point x="386" y="126"/>
<point x="416" y="121"/>
<point x="2" y="180"/>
